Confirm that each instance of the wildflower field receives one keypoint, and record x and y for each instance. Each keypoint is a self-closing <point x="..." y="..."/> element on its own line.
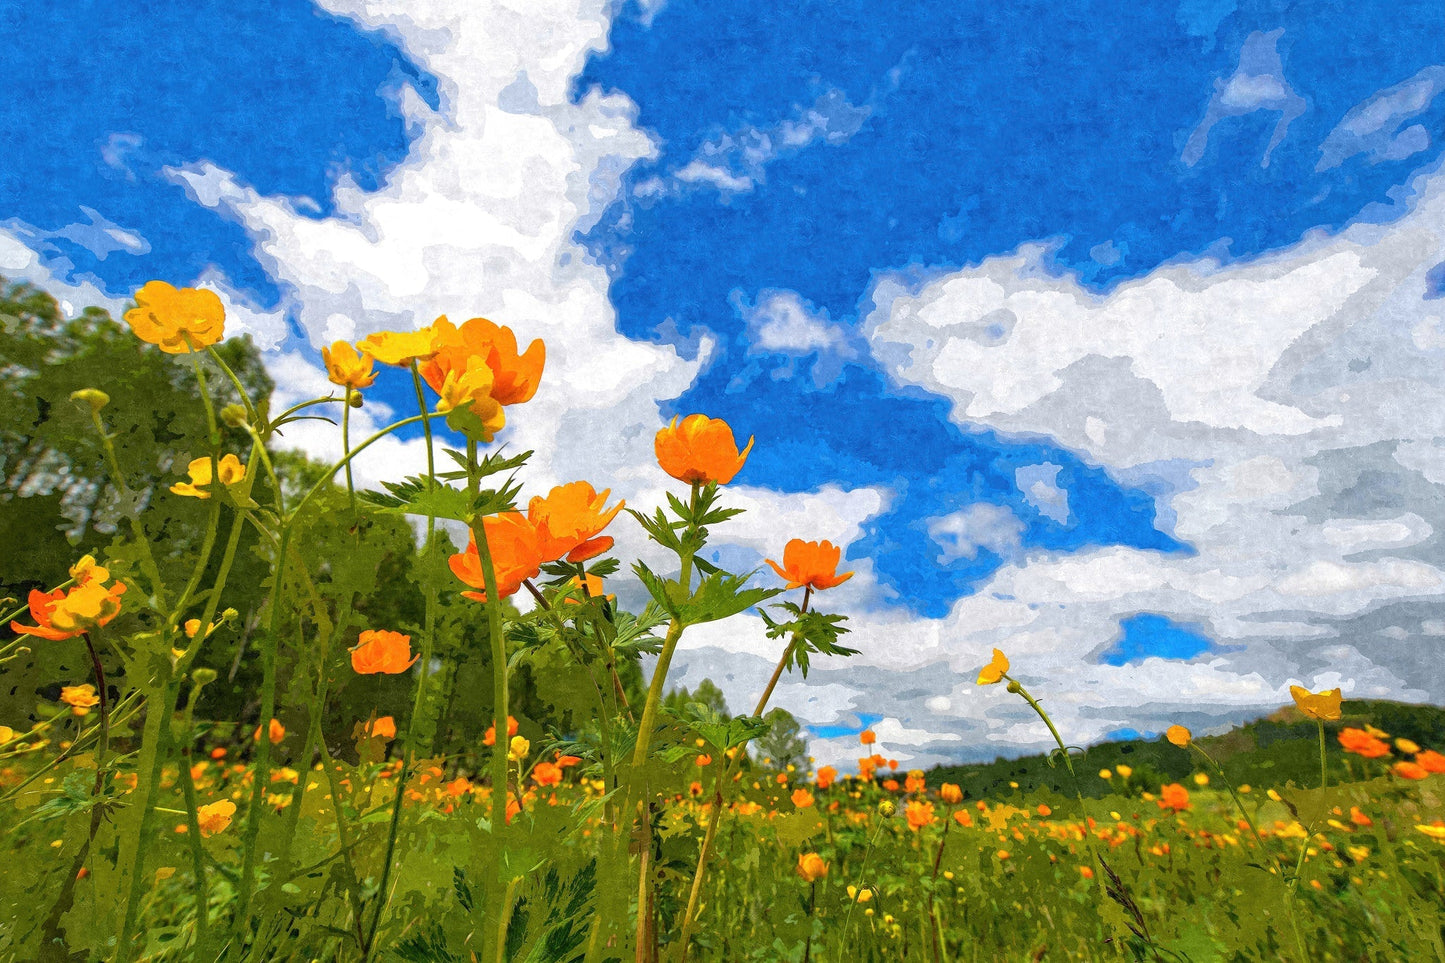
<point x="251" y="712"/>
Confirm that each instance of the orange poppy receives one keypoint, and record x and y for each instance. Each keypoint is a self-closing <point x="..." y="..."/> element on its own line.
<point x="915" y="781"/>
<point x="547" y="773"/>
<point x="1361" y="743"/>
<point x="1178" y="735"/>
<point x="802" y="799"/>
<point x="516" y="375"/>
<point x="1173" y="796"/>
<point x="516" y="547"/>
<point x="813" y="564"/>
<point x="382" y="652"/>
<point x="825" y="777"/>
<point x="275" y="732"/>
<point x="867" y="737"/>
<point x="570" y="520"/>
<point x="491" y="736"/>
<point x="1431" y="760"/>
<point x="919" y="814"/>
<point x="1410" y="770"/>
<point x="80" y="698"/>
<point x="63" y="614"/>
<point x="700" y="450"/>
<point x="177" y="320"/>
<point x="347" y="367"/>
<point x="231" y="470"/>
<point x="383" y="728"/>
<point x="214" y="817"/>
<point x="950" y="793"/>
<point x="812" y="867"/>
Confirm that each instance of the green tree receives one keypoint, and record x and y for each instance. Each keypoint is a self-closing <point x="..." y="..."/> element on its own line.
<point x="783" y="743"/>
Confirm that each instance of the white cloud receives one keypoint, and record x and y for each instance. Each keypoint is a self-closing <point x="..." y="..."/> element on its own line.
<point x="1373" y="127"/>
<point x="1257" y="84"/>
<point x="1040" y="487"/>
<point x="962" y="533"/>
<point x="783" y="323"/>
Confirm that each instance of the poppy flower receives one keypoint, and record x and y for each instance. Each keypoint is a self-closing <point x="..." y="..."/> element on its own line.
<point x="812" y="867"/>
<point x="80" y="698"/>
<point x="701" y="450"/>
<point x="813" y="564"/>
<point x="919" y="814"/>
<point x="1431" y="760"/>
<point x="1323" y="706"/>
<point x="399" y="348"/>
<point x="867" y="737"/>
<point x="215" y="817"/>
<point x="518" y="748"/>
<point x="1434" y="832"/>
<point x="915" y="781"/>
<point x="547" y="774"/>
<point x="516" y="548"/>
<point x="231" y="470"/>
<point x="950" y="793"/>
<point x="382" y="652"/>
<point x="383" y="728"/>
<point x="1362" y="743"/>
<point x="1173" y="796"/>
<point x="1410" y="770"/>
<point x="825" y="777"/>
<point x="469" y="387"/>
<point x="491" y="736"/>
<point x="177" y="320"/>
<point x="995" y="670"/>
<point x="570" y="520"/>
<point x="65" y="614"/>
<point x="275" y="732"/>
<point x="1178" y="735"/>
<point x="802" y="799"/>
<point x="515" y="375"/>
<point x="347" y="367"/>
<point x="591" y="588"/>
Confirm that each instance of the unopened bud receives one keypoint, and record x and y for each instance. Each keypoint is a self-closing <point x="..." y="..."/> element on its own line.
<point x="230" y="615"/>
<point x="234" y="416"/>
<point x="203" y="676"/>
<point x="355" y="401"/>
<point x="1015" y="688"/>
<point x="94" y="397"/>
<point x="887" y="808"/>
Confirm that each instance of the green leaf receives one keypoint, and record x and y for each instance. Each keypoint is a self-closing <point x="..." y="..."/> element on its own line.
<point x="721" y="595"/>
<point x="661" y="591"/>
<point x="416" y="497"/>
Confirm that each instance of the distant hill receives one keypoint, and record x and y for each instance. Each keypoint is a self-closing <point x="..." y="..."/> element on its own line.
<point x="1271" y="751"/>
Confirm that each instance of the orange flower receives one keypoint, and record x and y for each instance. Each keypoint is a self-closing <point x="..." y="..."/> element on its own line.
<point x="383" y="728"/>
<point x="66" y="614"/>
<point x="382" y="652"/>
<point x="570" y="520"/>
<point x="802" y="798"/>
<point x="812" y="867"/>
<point x="491" y="736"/>
<point x="178" y="321"/>
<point x="1431" y="760"/>
<point x="867" y="737"/>
<point x="400" y="348"/>
<point x="347" y="367"/>
<point x="919" y="814"/>
<point x="1359" y="818"/>
<point x="915" y="781"/>
<point x="995" y="669"/>
<point x="950" y="793"/>
<point x="1173" y="796"/>
<point x="813" y="564"/>
<point x="547" y="773"/>
<point x="1178" y="735"/>
<point x="591" y="588"/>
<point x="80" y="698"/>
<point x="963" y="818"/>
<point x="891" y="785"/>
<point x="1410" y="770"/>
<point x="516" y="548"/>
<point x="231" y="469"/>
<point x="1361" y="743"/>
<point x="703" y="761"/>
<point x="825" y="777"/>
<point x="515" y="375"/>
<point x="1323" y="706"/>
<point x="275" y="732"/>
<point x="892" y="763"/>
<point x="214" y="817"/>
<point x="700" y="450"/>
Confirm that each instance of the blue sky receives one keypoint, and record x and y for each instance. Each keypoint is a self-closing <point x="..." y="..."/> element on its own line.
<point x="760" y="203"/>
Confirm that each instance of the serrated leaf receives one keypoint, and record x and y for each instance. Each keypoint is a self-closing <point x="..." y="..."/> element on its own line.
<point x="720" y="595"/>
<point x="416" y="497"/>
<point x="657" y="588"/>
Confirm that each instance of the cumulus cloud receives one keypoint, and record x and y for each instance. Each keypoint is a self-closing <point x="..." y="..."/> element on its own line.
<point x="1257" y="84"/>
<point x="783" y="323"/>
<point x="1040" y="487"/>
<point x="962" y="533"/>
<point x="1376" y="127"/>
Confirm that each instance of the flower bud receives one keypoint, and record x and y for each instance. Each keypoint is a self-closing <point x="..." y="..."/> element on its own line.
<point x="356" y="400"/>
<point x="230" y="615"/>
<point x="203" y="676"/>
<point x="1014" y="687"/>
<point x="887" y="808"/>
<point x="234" y="416"/>
<point x="94" y="397"/>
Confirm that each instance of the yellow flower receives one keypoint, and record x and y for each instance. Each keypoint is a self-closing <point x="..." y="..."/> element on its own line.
<point x="995" y="670"/>
<point x="1408" y="746"/>
<point x="232" y="473"/>
<point x="1434" y="832"/>
<point x="1201" y="779"/>
<point x="1179" y="735"/>
<point x="1105" y="774"/>
<point x="1324" y="706"/>
<point x="177" y="321"/>
<point x="518" y="748"/>
<point x="347" y="367"/>
<point x="811" y="867"/>
<point x="215" y="817"/>
<point x="1124" y="771"/>
<point x="400" y="348"/>
<point x="80" y="698"/>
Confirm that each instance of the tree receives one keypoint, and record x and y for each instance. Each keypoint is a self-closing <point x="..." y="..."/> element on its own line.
<point x="783" y="743"/>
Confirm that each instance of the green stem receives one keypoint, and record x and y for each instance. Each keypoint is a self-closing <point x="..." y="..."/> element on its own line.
<point x="133" y="849"/>
<point x="240" y="388"/>
<point x="346" y="449"/>
<point x="193" y="823"/>
<point x="862" y="874"/>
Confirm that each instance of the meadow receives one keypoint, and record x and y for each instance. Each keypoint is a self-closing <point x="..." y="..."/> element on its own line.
<point x="252" y="712"/>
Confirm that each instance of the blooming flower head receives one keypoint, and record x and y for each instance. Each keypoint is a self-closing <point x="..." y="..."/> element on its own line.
<point x="700" y="450"/>
<point x="80" y="698"/>
<point x="516" y="548"/>
<point x="515" y="375"/>
<point x="995" y="669"/>
<point x="915" y="781"/>
<point x="1173" y="796"/>
<point x="1431" y="760"/>
<point x="1322" y="706"/>
<point x="1362" y="743"/>
<point x="570" y="520"/>
<point x="380" y="651"/>
<point x="518" y="748"/>
<point x="547" y="774"/>
<point x="802" y="798"/>
<point x="1434" y="832"/>
<point x="65" y="614"/>
<point x="867" y="737"/>
<point x="275" y="732"/>
<point x="919" y="814"/>
<point x="1124" y="771"/>
<point x="215" y="817"/>
<point x="950" y="793"/>
<point x="1178" y="735"/>
<point x="400" y="348"/>
<point x="814" y="564"/>
<point x="1409" y="770"/>
<point x="825" y="777"/>
<point x="231" y="470"/>
<point x="812" y="867"/>
<point x="347" y="367"/>
<point x="382" y="728"/>
<point x="177" y="320"/>
<point x="491" y="737"/>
